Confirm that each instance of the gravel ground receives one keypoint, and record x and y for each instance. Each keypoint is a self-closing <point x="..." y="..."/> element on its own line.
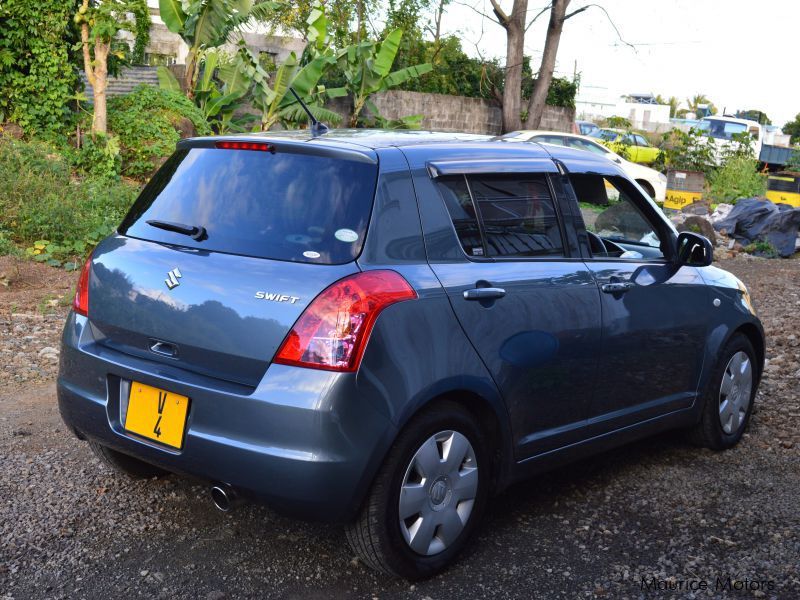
<point x="658" y="508"/>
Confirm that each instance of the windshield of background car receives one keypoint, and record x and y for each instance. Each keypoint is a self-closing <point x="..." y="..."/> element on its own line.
<point x="722" y="130"/>
<point x="284" y="206"/>
<point x="609" y="136"/>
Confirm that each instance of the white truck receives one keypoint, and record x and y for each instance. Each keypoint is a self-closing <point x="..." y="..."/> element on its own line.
<point x="770" y="144"/>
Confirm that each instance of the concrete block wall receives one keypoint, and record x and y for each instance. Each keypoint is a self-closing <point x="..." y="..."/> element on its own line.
<point x="441" y="112"/>
<point x="454" y="113"/>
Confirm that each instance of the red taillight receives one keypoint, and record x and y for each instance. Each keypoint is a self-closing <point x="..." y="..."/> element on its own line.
<point x="334" y="329"/>
<point x="81" y="302"/>
<point x="245" y="146"/>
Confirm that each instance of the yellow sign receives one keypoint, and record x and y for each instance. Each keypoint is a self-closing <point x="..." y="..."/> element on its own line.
<point x="156" y="414"/>
<point x="679" y="198"/>
<point x="777" y="197"/>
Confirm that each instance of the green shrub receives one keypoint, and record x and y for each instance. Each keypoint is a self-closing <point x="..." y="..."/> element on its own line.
<point x="99" y="156"/>
<point x="737" y="178"/>
<point x="147" y="123"/>
<point x="36" y="77"/>
<point x="45" y="208"/>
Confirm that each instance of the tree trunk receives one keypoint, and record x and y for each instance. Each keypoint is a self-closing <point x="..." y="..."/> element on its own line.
<point x="545" y="77"/>
<point x="190" y="73"/>
<point x="514" y="25"/>
<point x="99" y="119"/>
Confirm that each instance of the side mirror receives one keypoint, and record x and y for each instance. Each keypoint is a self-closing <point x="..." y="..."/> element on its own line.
<point x="694" y="250"/>
<point x="618" y="160"/>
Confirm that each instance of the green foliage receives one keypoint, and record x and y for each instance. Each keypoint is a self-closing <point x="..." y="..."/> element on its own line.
<point x="620" y="146"/>
<point x="793" y="164"/>
<point x="99" y="156"/>
<point x="206" y="24"/>
<point x="762" y="248"/>
<point x="147" y="123"/>
<point x="141" y="32"/>
<point x="36" y="77"/>
<point x="562" y="92"/>
<point x="691" y="151"/>
<point x="759" y="116"/>
<point x="367" y="69"/>
<point x="618" y="122"/>
<point x="792" y="128"/>
<point x="738" y="177"/>
<point x="49" y="210"/>
<point x="293" y="17"/>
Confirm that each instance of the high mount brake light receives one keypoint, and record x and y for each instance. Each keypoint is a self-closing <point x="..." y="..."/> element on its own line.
<point x="260" y="146"/>
<point x="333" y="330"/>
<point x="81" y="302"/>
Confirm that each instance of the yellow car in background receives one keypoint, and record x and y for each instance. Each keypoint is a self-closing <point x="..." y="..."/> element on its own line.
<point x="639" y="149"/>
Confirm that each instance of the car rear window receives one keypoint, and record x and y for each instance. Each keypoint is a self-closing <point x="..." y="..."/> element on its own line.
<point x="282" y="205"/>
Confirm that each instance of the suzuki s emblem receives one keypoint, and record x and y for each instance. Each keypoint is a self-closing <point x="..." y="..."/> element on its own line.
<point x="172" y="278"/>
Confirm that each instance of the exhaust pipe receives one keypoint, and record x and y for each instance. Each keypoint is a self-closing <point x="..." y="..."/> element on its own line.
<point x="224" y="497"/>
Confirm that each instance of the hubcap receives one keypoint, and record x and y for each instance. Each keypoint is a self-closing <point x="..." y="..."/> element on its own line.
<point x="735" y="392"/>
<point x="438" y="492"/>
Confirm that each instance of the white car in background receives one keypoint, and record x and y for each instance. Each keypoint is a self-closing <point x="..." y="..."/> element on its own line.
<point x="651" y="181"/>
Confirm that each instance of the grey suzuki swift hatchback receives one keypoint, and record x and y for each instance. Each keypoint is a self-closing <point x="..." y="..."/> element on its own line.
<point x="385" y="329"/>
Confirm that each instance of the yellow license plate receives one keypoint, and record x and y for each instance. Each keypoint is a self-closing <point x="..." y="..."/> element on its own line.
<point x="156" y="414"/>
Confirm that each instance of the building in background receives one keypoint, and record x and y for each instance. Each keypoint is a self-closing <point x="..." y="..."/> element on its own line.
<point x="642" y="110"/>
<point x="166" y="48"/>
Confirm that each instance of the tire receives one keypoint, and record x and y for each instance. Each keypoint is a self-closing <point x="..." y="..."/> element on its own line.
<point x="647" y="187"/>
<point x="727" y="410"/>
<point x="379" y="538"/>
<point x="132" y="467"/>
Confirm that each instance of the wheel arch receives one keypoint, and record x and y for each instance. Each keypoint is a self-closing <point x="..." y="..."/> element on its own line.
<point x="491" y="415"/>
<point x="646" y="186"/>
<point x="756" y="338"/>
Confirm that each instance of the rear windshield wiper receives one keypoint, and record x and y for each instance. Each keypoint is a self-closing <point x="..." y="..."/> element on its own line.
<point x="196" y="232"/>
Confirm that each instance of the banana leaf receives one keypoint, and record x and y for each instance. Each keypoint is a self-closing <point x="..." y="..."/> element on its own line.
<point x="167" y="81"/>
<point x="172" y="14"/>
<point x="404" y="75"/>
<point x="384" y="59"/>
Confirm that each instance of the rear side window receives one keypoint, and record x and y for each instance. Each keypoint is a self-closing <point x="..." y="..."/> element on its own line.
<point x="504" y="216"/>
<point x="283" y="206"/>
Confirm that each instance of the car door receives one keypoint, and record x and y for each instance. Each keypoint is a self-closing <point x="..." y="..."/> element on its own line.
<point x="655" y="313"/>
<point x="634" y="151"/>
<point x="527" y="302"/>
<point x="647" y="153"/>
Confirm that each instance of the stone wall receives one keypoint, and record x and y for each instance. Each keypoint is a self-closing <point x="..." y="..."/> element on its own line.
<point x="455" y="113"/>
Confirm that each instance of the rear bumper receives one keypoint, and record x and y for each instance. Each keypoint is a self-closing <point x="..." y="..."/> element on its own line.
<point x="303" y="441"/>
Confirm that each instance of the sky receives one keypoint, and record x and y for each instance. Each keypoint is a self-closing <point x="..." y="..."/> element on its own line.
<point x="741" y="54"/>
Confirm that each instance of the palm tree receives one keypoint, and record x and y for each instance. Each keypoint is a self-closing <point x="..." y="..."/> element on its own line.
<point x="699" y="101"/>
<point x="674" y="105"/>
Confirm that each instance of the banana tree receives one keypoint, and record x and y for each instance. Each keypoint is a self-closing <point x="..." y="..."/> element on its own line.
<point x="206" y="24"/>
<point x="367" y="69"/>
<point x="272" y="95"/>
<point x="220" y="89"/>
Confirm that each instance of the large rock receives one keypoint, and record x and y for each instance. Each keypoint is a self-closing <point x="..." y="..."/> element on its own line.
<point x="699" y="224"/>
<point x="622" y="216"/>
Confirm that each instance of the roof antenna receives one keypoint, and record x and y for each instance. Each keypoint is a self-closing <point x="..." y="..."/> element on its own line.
<point x="317" y="128"/>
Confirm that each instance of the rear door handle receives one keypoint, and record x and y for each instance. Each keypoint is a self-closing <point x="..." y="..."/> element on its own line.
<point x="617" y="287"/>
<point x="163" y="348"/>
<point x="487" y="293"/>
